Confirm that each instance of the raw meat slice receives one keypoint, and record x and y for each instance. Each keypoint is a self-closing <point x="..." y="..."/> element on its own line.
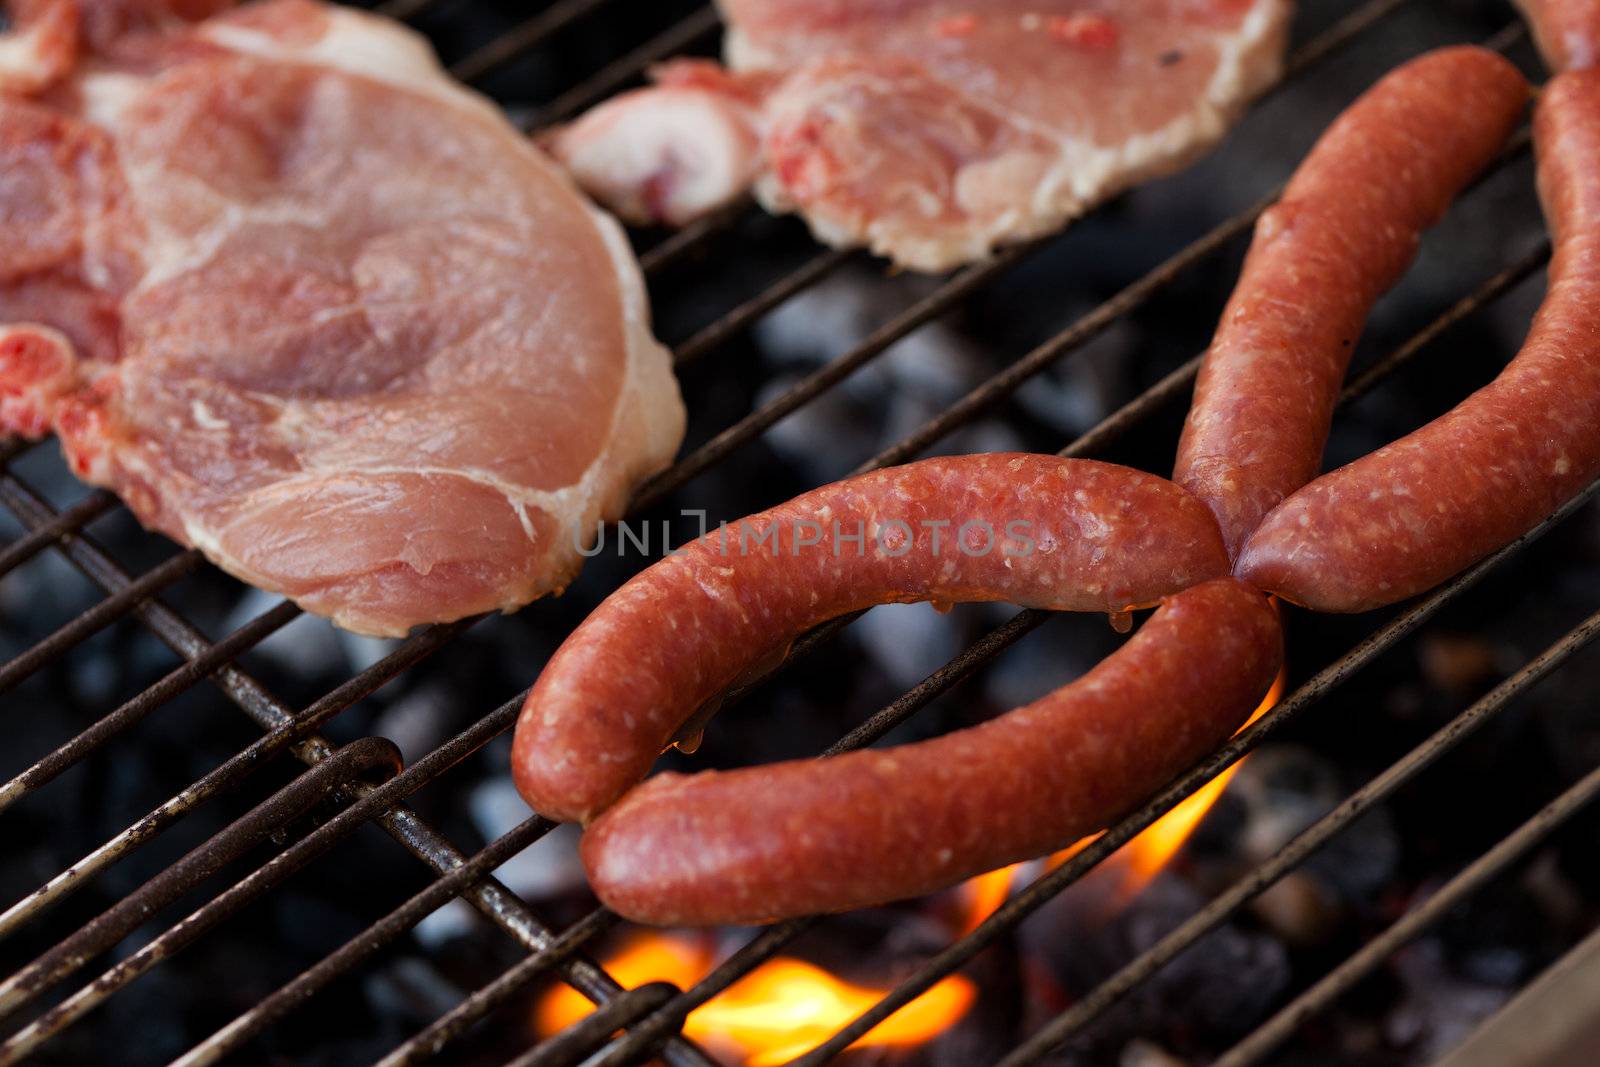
<point x="930" y="130"/>
<point x="47" y="34"/>
<point x="316" y="310"/>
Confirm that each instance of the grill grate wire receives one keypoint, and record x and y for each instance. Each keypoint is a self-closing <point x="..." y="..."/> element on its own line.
<point x="650" y="1016"/>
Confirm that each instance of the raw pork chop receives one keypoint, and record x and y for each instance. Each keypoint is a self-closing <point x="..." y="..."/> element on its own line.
<point x="314" y="309"/>
<point x="930" y="130"/>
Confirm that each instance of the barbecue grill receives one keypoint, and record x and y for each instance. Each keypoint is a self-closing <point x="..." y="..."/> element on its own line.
<point x="213" y="866"/>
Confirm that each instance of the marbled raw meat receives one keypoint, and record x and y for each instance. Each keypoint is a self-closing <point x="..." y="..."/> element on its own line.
<point x="930" y="130"/>
<point x="316" y="310"/>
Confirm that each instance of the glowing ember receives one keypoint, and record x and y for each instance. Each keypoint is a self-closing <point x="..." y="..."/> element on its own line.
<point x="775" y="1013"/>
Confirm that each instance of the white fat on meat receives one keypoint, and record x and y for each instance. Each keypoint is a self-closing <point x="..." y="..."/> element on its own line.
<point x="37" y="50"/>
<point x="687" y="151"/>
<point x="318" y="311"/>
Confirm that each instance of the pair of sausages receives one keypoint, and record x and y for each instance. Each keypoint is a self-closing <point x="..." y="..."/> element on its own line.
<point x="866" y="827"/>
<point x="1345" y="230"/>
<point x="1421" y="509"/>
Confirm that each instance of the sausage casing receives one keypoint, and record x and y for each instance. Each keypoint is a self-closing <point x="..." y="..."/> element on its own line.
<point x="1345" y="230"/>
<point x="1568" y="31"/>
<point x="1066" y="534"/>
<point x="1415" y="512"/>
<point x="867" y="827"/>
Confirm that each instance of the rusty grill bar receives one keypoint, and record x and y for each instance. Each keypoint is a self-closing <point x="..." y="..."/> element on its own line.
<point x="368" y="780"/>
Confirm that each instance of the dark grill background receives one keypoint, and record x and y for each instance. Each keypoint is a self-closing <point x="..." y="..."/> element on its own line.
<point x="1085" y="340"/>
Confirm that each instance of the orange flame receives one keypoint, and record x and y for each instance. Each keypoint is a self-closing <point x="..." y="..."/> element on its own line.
<point x="987" y="893"/>
<point x="1143" y="857"/>
<point x="775" y="1013"/>
<point x="1160" y="841"/>
<point x="646" y="958"/>
<point x="786" y="1007"/>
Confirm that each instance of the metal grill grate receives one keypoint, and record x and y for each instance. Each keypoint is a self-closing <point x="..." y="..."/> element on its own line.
<point x="369" y="785"/>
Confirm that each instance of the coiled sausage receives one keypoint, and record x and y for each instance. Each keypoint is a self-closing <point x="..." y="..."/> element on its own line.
<point x="1034" y="530"/>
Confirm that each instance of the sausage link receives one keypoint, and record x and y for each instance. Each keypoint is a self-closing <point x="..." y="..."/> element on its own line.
<point x="1344" y="232"/>
<point x="1413" y="513"/>
<point x="1034" y="530"/>
<point x="867" y="827"/>
<point x="1568" y="31"/>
